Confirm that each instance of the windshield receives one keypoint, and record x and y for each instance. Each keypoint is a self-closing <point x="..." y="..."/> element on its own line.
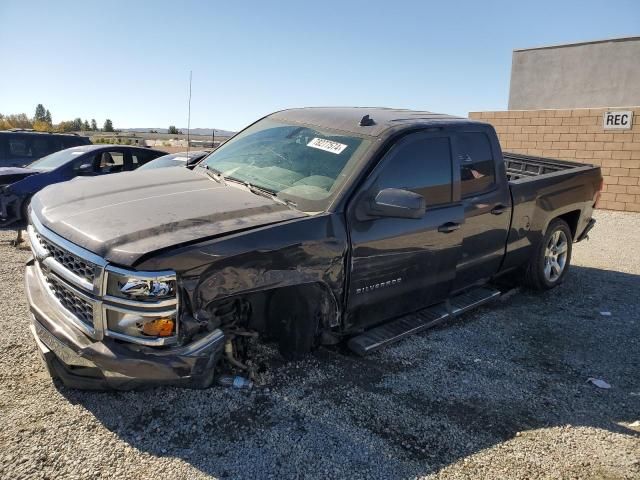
<point x="302" y="164"/>
<point x="57" y="159"/>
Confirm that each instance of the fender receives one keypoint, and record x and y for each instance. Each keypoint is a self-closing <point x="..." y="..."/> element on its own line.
<point x="305" y="252"/>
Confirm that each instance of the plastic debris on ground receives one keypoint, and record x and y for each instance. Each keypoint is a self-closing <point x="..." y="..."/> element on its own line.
<point x="235" y="381"/>
<point x="598" y="382"/>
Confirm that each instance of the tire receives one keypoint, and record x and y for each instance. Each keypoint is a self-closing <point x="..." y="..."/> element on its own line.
<point x="24" y="210"/>
<point x="292" y="323"/>
<point x="551" y="258"/>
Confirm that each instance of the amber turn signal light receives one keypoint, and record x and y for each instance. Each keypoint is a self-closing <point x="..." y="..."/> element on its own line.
<point x="161" y="327"/>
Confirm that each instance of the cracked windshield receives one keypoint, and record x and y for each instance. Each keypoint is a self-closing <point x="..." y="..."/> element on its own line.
<point x="299" y="164"/>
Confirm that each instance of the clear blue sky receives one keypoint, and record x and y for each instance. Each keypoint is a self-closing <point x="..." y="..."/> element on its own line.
<point x="130" y="60"/>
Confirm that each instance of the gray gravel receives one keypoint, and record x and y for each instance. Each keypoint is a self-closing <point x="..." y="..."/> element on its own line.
<point x="499" y="393"/>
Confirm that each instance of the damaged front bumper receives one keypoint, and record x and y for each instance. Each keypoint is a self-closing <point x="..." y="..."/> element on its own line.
<point x="81" y="362"/>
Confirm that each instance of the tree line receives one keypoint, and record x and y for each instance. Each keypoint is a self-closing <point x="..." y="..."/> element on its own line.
<point x="42" y="122"/>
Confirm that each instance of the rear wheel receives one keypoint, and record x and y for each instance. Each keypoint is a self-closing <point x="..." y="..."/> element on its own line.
<point x="552" y="257"/>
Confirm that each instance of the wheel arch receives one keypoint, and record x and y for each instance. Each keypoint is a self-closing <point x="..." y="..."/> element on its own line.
<point x="317" y="296"/>
<point x="570" y="217"/>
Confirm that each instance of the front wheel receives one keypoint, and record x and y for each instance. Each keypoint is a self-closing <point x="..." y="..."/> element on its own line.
<point x="552" y="257"/>
<point x="292" y="322"/>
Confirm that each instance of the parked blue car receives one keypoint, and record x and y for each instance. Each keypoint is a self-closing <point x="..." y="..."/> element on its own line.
<point x="19" y="184"/>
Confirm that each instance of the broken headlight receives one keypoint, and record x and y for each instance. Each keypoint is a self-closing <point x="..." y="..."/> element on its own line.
<point x="141" y="286"/>
<point x="141" y="307"/>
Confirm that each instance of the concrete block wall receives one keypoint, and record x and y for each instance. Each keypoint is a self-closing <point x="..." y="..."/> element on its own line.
<point x="577" y="135"/>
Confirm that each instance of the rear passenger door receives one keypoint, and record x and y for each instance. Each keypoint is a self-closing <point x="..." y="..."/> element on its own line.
<point x="399" y="265"/>
<point x="487" y="207"/>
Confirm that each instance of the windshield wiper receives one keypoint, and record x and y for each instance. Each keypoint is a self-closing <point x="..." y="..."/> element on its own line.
<point x="218" y="176"/>
<point x="215" y="174"/>
<point x="268" y="193"/>
<point x="264" y="192"/>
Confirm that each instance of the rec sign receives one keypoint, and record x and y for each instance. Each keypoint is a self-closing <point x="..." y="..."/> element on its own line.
<point x="621" y="120"/>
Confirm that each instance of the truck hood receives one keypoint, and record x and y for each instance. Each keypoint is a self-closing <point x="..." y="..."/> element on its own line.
<point x="10" y="175"/>
<point x="124" y="216"/>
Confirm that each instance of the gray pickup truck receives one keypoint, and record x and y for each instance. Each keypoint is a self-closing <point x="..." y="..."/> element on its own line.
<point x="311" y="226"/>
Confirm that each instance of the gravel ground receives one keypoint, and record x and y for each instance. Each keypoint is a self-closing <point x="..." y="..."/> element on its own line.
<point x="498" y="393"/>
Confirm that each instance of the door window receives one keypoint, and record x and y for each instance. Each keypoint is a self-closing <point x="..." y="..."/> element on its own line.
<point x="140" y="158"/>
<point x="477" y="168"/>
<point x="110" y="162"/>
<point x="420" y="164"/>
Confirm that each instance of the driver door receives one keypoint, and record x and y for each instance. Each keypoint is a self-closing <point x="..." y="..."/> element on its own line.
<point x="399" y="265"/>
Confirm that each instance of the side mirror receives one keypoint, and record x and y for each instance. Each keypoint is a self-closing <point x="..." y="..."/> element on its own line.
<point x="85" y="169"/>
<point x="395" y="202"/>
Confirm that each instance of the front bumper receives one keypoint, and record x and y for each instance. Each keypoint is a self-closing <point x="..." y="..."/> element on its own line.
<point x="80" y="362"/>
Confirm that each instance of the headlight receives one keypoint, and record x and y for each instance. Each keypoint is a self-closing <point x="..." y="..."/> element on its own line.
<point x="136" y="325"/>
<point x="137" y="287"/>
<point x="141" y="286"/>
<point x="141" y="306"/>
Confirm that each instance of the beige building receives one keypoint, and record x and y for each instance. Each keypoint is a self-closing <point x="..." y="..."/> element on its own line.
<point x="581" y="133"/>
<point x="577" y="135"/>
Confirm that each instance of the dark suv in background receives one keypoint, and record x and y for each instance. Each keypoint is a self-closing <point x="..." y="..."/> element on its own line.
<point x="21" y="147"/>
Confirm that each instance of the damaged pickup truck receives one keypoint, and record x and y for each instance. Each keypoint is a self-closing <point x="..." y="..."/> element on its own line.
<point x="309" y="227"/>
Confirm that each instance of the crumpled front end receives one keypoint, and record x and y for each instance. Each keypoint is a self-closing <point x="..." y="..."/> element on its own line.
<point x="101" y="327"/>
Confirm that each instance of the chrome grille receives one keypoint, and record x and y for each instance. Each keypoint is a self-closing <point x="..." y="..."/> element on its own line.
<point x="70" y="300"/>
<point x="68" y="260"/>
<point x="78" y="280"/>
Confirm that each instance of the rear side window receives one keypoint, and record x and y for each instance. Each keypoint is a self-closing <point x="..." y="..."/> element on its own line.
<point x="19" y="147"/>
<point x="56" y="143"/>
<point x="139" y="158"/>
<point x="422" y="165"/>
<point x="73" y="142"/>
<point x="40" y="147"/>
<point x="477" y="168"/>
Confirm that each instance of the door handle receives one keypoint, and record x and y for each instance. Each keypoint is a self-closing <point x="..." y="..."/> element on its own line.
<point x="448" y="227"/>
<point x="498" y="210"/>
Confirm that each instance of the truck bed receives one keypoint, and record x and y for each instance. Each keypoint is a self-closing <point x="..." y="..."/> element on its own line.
<point x="524" y="166"/>
<point x="541" y="189"/>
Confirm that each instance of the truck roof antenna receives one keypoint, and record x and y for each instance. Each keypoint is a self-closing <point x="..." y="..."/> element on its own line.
<point x="366" y="121"/>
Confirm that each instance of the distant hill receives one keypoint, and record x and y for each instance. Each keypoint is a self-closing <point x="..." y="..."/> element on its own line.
<point x="194" y="131"/>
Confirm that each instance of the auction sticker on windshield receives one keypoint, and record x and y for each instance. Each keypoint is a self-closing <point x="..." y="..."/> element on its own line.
<point x="327" y="145"/>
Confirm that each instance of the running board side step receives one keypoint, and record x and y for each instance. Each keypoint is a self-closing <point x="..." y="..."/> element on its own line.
<point x="396" y="330"/>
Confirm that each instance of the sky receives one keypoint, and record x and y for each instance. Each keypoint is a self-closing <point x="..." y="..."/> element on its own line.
<point x="130" y="60"/>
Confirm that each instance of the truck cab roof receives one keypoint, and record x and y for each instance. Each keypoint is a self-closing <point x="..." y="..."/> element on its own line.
<point x="369" y="121"/>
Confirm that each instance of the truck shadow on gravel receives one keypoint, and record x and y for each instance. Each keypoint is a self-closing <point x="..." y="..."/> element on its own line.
<point x="489" y="377"/>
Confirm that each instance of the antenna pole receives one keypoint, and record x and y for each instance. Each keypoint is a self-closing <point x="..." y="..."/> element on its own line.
<point x="189" y="117"/>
